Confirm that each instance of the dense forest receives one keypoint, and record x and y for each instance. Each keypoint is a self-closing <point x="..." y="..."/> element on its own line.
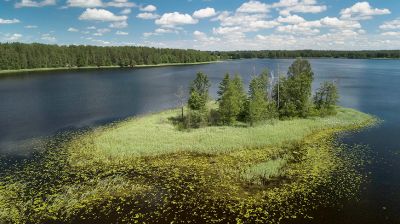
<point x="309" y="54"/>
<point x="30" y="56"/>
<point x="14" y="56"/>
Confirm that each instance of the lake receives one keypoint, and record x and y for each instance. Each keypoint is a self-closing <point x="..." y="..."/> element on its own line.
<point x="39" y="105"/>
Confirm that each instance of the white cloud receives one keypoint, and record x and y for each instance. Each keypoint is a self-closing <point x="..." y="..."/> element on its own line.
<point x="286" y="7"/>
<point x="148" y="34"/>
<point x="253" y="7"/>
<point x="175" y="19"/>
<point x="147" y="15"/>
<point x="30" y="3"/>
<point x="119" y="25"/>
<point x="203" y="40"/>
<point x="391" y="33"/>
<point x="126" y="11"/>
<point x="337" y="23"/>
<point x="101" y="42"/>
<point x="91" y="27"/>
<point x="162" y="30"/>
<point x="8" y="21"/>
<point x="149" y="8"/>
<point x="100" y="3"/>
<point x="101" y="32"/>
<point x="72" y="29"/>
<point x="31" y="27"/>
<point x="85" y="3"/>
<point x="292" y="19"/>
<point x="390" y="25"/>
<point x="362" y="11"/>
<point x="204" y="13"/>
<point x="13" y="37"/>
<point x="296" y="29"/>
<point x="48" y="37"/>
<point x="101" y="15"/>
<point x="231" y="30"/>
<point x="121" y="33"/>
<point x="240" y="23"/>
<point x="121" y="4"/>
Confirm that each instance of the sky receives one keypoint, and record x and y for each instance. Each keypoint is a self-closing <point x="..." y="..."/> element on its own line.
<point x="205" y="24"/>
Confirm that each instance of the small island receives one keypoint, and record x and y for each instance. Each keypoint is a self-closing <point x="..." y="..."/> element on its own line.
<point x="265" y="155"/>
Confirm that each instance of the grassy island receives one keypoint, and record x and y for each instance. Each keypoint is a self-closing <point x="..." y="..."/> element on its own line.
<point x="145" y="170"/>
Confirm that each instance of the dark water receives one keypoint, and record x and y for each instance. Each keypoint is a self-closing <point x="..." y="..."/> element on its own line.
<point x="33" y="106"/>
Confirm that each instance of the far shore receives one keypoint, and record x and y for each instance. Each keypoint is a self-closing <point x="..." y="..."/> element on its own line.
<point x="101" y="67"/>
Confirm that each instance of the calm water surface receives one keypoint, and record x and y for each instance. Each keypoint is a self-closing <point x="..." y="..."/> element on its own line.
<point x="33" y="106"/>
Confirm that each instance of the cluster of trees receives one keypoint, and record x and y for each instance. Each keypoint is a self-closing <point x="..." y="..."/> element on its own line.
<point x="290" y="97"/>
<point x="309" y="54"/>
<point x="29" y="56"/>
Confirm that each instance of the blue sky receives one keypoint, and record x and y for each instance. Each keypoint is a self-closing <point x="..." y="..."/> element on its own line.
<point x="205" y="24"/>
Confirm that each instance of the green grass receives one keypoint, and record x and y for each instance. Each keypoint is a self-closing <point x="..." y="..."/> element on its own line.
<point x="262" y="172"/>
<point x="16" y="71"/>
<point x="154" y="134"/>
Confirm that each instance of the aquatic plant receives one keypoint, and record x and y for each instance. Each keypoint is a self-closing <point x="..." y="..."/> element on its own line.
<point x="144" y="170"/>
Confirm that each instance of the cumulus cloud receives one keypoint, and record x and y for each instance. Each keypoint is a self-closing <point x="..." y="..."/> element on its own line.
<point x="292" y="19"/>
<point x="337" y="23"/>
<point x="101" y="15"/>
<point x="30" y="3"/>
<point x="390" y="25"/>
<point x="147" y="15"/>
<point x="48" y="37"/>
<point x="362" y="11"/>
<point x="240" y="23"/>
<point x="101" y="32"/>
<point x="119" y="25"/>
<point x="72" y="29"/>
<point x="204" y="13"/>
<point x="85" y="3"/>
<point x="162" y="30"/>
<point x="391" y="33"/>
<point x="8" y="21"/>
<point x="296" y="29"/>
<point x="286" y="7"/>
<point x="13" y="37"/>
<point x="148" y="8"/>
<point x="253" y="7"/>
<point x="100" y="3"/>
<point x="121" y="4"/>
<point x="121" y="33"/>
<point x="126" y="11"/>
<point x="175" y="19"/>
<point x="31" y="26"/>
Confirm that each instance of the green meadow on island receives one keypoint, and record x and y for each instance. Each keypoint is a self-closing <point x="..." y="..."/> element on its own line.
<point x="264" y="155"/>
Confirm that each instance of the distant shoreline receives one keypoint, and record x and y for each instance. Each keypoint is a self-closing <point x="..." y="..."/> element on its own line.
<point x="18" y="71"/>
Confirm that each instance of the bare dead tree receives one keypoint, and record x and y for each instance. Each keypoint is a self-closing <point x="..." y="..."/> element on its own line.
<point x="180" y="94"/>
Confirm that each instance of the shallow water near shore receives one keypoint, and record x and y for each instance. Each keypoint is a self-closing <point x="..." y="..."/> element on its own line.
<point x="40" y="105"/>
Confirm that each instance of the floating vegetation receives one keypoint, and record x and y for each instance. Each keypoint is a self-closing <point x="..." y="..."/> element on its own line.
<point x="96" y="177"/>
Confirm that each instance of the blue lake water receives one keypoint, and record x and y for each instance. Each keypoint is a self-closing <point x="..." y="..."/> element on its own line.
<point x="37" y="105"/>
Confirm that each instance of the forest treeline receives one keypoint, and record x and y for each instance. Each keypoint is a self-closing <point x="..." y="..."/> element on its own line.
<point x="309" y="54"/>
<point x="15" y="56"/>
